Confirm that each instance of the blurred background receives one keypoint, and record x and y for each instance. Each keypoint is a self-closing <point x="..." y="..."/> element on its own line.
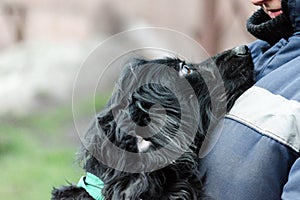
<point x="43" y="43"/>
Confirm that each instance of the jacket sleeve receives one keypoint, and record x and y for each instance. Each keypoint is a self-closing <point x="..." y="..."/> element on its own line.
<point x="291" y="190"/>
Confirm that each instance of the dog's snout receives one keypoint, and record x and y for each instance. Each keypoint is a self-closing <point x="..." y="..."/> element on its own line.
<point x="241" y="50"/>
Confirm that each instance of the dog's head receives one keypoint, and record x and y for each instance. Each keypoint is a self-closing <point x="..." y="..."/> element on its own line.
<point x="155" y="100"/>
<point x="163" y="105"/>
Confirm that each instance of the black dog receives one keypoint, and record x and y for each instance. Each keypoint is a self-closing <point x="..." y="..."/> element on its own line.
<point x="145" y="143"/>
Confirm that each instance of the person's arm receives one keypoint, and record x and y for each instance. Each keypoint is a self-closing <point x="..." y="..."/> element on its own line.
<point x="291" y="190"/>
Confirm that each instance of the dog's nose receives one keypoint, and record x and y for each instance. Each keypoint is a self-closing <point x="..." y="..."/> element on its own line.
<point x="241" y="50"/>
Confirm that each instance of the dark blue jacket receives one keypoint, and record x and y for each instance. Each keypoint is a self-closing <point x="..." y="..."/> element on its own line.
<point x="257" y="153"/>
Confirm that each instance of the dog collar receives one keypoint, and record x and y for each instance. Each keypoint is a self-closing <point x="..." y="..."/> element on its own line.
<point x="93" y="185"/>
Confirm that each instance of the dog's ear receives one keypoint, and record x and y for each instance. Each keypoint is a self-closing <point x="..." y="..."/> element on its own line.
<point x="70" y="192"/>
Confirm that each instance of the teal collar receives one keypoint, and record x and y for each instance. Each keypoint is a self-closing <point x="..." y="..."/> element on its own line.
<point x="93" y="185"/>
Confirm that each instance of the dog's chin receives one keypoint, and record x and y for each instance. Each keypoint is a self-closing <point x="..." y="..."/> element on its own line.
<point x="143" y="145"/>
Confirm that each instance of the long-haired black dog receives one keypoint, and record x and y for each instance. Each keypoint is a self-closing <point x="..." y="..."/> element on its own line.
<point x="145" y="142"/>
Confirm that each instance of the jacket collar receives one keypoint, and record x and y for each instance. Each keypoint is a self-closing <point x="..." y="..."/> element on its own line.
<point x="292" y="8"/>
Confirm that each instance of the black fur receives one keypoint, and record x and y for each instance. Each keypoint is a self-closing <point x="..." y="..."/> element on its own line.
<point x="153" y="102"/>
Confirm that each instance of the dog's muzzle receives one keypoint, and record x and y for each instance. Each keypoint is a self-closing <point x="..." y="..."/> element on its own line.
<point x="241" y="50"/>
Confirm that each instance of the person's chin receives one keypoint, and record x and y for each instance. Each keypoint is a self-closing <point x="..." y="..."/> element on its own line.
<point x="274" y="13"/>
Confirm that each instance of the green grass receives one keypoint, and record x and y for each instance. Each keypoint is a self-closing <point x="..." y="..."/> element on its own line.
<point x="35" y="153"/>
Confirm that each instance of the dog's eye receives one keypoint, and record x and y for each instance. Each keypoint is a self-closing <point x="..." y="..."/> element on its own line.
<point x="185" y="69"/>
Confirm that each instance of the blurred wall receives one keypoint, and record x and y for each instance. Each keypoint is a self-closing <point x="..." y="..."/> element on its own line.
<point x="43" y="42"/>
<point x="77" y="20"/>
